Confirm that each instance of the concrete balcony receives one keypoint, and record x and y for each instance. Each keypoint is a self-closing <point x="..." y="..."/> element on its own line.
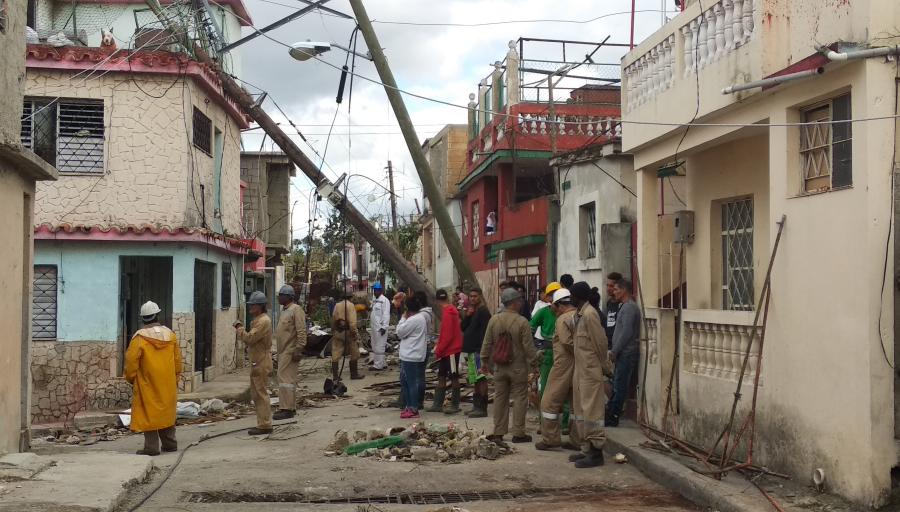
<point x="679" y="72"/>
<point x="530" y="127"/>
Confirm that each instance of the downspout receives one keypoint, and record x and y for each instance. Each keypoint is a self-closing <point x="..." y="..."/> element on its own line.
<point x="859" y="54"/>
<point x="775" y="80"/>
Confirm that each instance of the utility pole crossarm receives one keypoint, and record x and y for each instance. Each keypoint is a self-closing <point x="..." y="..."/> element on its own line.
<point x="366" y="230"/>
<point x="439" y="209"/>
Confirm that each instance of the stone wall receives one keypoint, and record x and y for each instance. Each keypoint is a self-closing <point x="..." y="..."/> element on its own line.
<point x="68" y="377"/>
<point x="153" y="172"/>
<point x="12" y="71"/>
<point x="183" y="325"/>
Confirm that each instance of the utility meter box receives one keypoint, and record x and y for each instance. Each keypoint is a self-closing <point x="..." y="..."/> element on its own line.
<point x="684" y="226"/>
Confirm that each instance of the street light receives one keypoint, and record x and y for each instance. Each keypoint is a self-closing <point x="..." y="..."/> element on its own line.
<point x="306" y="50"/>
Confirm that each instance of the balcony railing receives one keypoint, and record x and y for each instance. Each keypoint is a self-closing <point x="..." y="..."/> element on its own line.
<point x="529" y="126"/>
<point x="693" y="43"/>
<point x="714" y="343"/>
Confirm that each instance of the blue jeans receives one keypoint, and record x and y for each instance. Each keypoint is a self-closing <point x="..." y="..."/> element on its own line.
<point x="412" y="384"/>
<point x="625" y="366"/>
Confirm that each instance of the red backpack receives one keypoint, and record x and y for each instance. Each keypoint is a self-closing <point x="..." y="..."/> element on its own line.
<point x="501" y="352"/>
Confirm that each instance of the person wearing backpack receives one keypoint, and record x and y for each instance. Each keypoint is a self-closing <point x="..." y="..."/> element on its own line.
<point x="508" y="353"/>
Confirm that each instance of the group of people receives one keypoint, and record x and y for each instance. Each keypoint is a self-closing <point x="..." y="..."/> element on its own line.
<point x="153" y="365"/>
<point x="577" y="344"/>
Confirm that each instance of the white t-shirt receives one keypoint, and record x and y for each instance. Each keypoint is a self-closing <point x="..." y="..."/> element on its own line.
<point x="539" y="305"/>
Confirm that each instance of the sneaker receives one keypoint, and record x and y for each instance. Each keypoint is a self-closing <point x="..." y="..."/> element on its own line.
<point x="494" y="438"/>
<point x="522" y="439"/>
<point x="258" y="431"/>
<point x="413" y="414"/>
<point x="406" y="414"/>
<point x="146" y="452"/>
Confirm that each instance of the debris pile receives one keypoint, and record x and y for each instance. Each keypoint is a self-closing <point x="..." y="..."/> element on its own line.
<point x="418" y="443"/>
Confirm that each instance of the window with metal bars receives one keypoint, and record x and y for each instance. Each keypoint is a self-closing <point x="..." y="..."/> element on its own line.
<point x="587" y="214"/>
<point x="202" y="132"/>
<point x="826" y="146"/>
<point x="476" y="223"/>
<point x="43" y="305"/>
<point x="737" y="255"/>
<point x="68" y="134"/>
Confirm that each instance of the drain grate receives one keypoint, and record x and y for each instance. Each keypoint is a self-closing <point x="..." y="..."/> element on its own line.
<point x="425" y="498"/>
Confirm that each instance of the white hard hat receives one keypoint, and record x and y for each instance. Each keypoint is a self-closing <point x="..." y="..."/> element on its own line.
<point x="149" y="309"/>
<point x="561" y="294"/>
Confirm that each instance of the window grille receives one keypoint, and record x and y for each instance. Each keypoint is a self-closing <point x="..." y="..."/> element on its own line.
<point x="476" y="225"/>
<point x="67" y="134"/>
<point x="588" y="230"/>
<point x="825" y="147"/>
<point x="202" y="132"/>
<point x="737" y="255"/>
<point x="43" y="306"/>
<point x="226" y="285"/>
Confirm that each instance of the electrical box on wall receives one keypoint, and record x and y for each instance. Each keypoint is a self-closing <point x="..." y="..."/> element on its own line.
<point x="684" y="226"/>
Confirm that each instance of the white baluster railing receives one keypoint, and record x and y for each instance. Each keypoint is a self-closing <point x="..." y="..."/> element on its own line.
<point x="715" y="348"/>
<point x="708" y="38"/>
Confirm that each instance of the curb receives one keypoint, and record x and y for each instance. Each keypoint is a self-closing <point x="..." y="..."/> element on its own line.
<point x="707" y="492"/>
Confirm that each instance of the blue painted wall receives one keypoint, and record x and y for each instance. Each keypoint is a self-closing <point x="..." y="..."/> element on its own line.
<point x="88" y="288"/>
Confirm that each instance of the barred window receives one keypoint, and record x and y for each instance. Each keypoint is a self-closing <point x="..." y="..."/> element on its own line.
<point x="825" y="146"/>
<point x="43" y="306"/>
<point x="476" y="222"/>
<point x="737" y="255"/>
<point x="202" y="132"/>
<point x="587" y="214"/>
<point x="68" y="134"/>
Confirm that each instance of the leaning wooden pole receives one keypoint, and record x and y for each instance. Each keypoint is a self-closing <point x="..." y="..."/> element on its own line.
<point x="441" y="215"/>
<point x="365" y="228"/>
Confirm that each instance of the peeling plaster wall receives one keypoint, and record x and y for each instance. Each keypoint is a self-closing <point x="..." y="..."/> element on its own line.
<point x="153" y="173"/>
<point x="827" y="393"/>
<point x="80" y="370"/>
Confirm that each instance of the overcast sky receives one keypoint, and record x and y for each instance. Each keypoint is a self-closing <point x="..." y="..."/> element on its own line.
<point x="438" y="61"/>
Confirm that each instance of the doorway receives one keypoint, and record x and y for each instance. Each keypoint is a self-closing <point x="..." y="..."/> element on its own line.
<point x="204" y="303"/>
<point x="142" y="278"/>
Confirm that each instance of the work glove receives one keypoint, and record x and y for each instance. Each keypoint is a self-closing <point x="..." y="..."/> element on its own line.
<point x="382" y="331"/>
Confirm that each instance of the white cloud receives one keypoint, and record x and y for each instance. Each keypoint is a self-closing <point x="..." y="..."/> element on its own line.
<point x="442" y="62"/>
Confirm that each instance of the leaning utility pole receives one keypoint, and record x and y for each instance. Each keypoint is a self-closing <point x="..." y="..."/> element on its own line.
<point x="324" y="186"/>
<point x="448" y="230"/>
<point x="396" y="231"/>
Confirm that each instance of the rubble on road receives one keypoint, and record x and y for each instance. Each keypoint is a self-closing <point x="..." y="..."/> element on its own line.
<point x="418" y="443"/>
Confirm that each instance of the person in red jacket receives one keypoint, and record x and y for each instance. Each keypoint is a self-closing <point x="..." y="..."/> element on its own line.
<point x="447" y="352"/>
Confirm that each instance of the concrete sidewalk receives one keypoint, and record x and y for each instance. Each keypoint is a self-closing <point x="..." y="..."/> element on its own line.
<point x="64" y="482"/>
<point x="232" y="386"/>
<point x="733" y="493"/>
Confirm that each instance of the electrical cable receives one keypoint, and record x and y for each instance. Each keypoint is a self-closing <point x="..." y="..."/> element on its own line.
<point x="887" y="244"/>
<point x="171" y="469"/>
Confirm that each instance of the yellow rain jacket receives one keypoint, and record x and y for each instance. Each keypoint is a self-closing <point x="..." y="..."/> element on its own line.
<point x="152" y="364"/>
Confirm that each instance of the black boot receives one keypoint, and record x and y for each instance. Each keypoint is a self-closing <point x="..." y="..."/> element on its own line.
<point x="283" y="414"/>
<point x="453" y="408"/>
<point x="593" y="459"/>
<point x="576" y="456"/>
<point x="479" y="407"/>
<point x="440" y="394"/>
<point x="354" y="371"/>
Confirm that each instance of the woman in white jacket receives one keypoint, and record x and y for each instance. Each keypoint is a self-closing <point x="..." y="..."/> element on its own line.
<point x="412" y="330"/>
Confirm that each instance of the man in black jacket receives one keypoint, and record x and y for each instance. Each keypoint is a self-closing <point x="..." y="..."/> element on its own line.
<point x="474" y="325"/>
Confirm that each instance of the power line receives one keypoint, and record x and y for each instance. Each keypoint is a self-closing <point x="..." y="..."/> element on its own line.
<point x="573" y="123"/>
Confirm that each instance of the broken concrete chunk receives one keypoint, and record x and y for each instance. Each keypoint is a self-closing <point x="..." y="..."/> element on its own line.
<point x="73" y="439"/>
<point x="487" y="449"/>
<point x="359" y="436"/>
<point x="423" y="454"/>
<point x="341" y="441"/>
<point x="443" y="456"/>
<point x="212" y="406"/>
<point x="374" y="434"/>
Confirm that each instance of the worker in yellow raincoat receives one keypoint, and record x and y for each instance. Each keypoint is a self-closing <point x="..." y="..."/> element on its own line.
<point x="152" y="366"/>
